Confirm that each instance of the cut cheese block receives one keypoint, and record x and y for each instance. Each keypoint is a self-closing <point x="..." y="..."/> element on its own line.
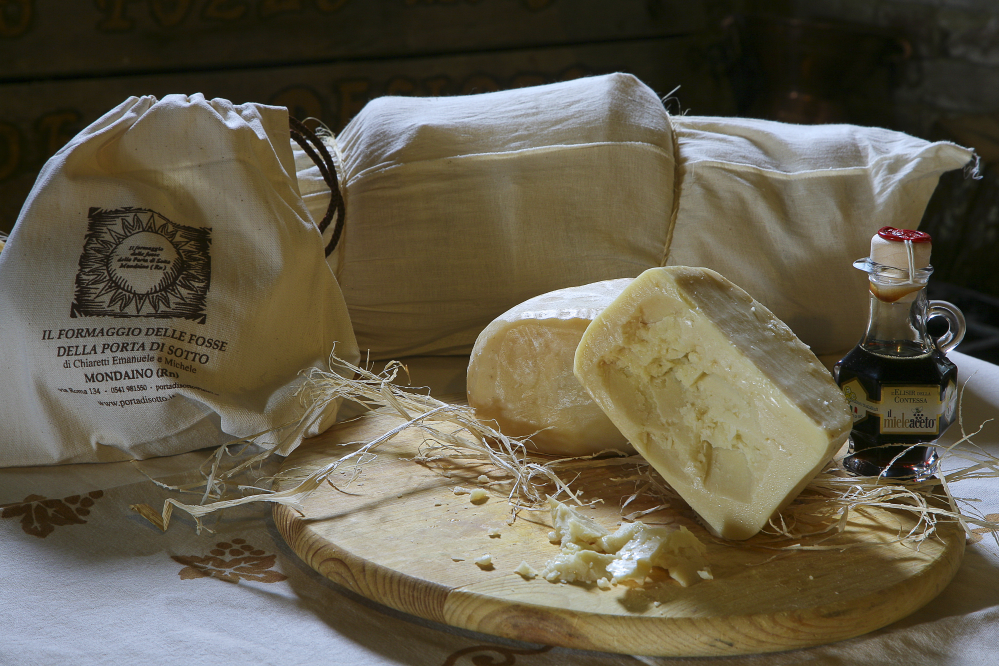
<point x="715" y="392"/>
<point x="520" y="372"/>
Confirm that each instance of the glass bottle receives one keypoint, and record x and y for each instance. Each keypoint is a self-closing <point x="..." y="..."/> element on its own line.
<point x="901" y="388"/>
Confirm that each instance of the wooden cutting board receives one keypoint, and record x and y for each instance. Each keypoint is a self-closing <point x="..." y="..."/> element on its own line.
<point x="399" y="535"/>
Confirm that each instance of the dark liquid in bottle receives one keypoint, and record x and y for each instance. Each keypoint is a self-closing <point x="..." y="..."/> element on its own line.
<point x="902" y="365"/>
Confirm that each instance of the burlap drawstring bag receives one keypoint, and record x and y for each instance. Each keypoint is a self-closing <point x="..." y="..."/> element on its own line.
<point x="165" y="287"/>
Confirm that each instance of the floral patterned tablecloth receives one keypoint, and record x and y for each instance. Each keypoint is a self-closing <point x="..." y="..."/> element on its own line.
<point x="86" y="580"/>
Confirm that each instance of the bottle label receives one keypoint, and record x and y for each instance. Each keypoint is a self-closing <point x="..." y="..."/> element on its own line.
<point x="902" y="410"/>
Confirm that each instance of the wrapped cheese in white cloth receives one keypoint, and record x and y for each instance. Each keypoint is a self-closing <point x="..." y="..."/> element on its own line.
<point x="459" y="208"/>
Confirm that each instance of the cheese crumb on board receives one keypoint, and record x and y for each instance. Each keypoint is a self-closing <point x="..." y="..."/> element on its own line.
<point x="590" y="553"/>
<point x="526" y="571"/>
<point x="714" y="392"/>
<point x="484" y="561"/>
<point x="520" y="373"/>
<point x="478" y="496"/>
<point x="458" y="490"/>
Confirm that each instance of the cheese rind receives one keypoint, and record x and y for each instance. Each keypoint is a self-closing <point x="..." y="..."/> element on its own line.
<point x="715" y="392"/>
<point x="520" y="373"/>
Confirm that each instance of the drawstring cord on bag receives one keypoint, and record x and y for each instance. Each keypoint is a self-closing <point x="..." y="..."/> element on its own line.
<point x="316" y="151"/>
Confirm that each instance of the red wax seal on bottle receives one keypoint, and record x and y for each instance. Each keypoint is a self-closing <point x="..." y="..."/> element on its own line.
<point x="901" y="235"/>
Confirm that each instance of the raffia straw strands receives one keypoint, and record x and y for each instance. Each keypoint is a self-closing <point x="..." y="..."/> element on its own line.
<point x="468" y="437"/>
<point x="816" y="520"/>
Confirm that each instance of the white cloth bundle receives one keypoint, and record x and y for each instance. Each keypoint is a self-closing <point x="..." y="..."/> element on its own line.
<point x="163" y="289"/>
<point x="784" y="210"/>
<point x="458" y="208"/>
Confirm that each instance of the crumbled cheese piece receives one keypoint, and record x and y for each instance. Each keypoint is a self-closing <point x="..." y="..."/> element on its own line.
<point x="715" y="392"/>
<point x="603" y="584"/>
<point x="483" y="479"/>
<point x="589" y="552"/>
<point x="493" y="532"/>
<point x="526" y="570"/>
<point x="677" y="551"/>
<point x="574" y="563"/>
<point x="520" y="373"/>
<point x="571" y="527"/>
<point x="484" y="561"/>
<point x="612" y="543"/>
<point x="478" y="496"/>
<point x="458" y="490"/>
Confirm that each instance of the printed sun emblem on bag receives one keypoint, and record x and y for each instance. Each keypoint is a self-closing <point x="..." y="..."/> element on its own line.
<point x="137" y="263"/>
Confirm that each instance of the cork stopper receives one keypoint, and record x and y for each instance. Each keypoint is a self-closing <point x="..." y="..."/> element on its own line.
<point x="888" y="248"/>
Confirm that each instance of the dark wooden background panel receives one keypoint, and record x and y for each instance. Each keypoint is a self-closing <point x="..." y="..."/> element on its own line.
<point x="41" y="116"/>
<point x="45" y="38"/>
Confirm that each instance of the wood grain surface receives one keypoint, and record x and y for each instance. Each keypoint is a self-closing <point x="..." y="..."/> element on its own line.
<point x="399" y="535"/>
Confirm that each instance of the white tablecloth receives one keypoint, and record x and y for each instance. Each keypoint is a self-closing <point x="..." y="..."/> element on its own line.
<point x="85" y="580"/>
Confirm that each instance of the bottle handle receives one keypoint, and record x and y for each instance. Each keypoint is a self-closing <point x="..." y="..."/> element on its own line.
<point x="956" y="326"/>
